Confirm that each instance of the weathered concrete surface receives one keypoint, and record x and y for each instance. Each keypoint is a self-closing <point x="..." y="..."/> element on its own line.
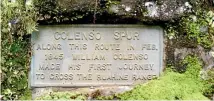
<point x="163" y="10"/>
<point x="90" y="91"/>
<point x="36" y="92"/>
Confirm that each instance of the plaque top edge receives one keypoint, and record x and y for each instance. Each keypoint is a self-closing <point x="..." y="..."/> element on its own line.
<point x="101" y="25"/>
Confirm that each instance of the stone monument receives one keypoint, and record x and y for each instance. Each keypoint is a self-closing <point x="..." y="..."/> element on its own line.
<point x="95" y="55"/>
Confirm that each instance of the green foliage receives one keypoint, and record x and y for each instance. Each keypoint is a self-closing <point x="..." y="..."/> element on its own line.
<point x="209" y="92"/>
<point x="27" y="95"/>
<point x="14" y="65"/>
<point x="17" y="20"/>
<point x="193" y="67"/>
<point x="210" y="77"/>
<point x="172" y="85"/>
<point x="197" y="28"/>
<point x="62" y="96"/>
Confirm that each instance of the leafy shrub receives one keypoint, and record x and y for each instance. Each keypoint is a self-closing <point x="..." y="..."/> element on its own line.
<point x="18" y="20"/>
<point x="14" y="65"/>
<point x="172" y="85"/>
<point x="209" y="92"/>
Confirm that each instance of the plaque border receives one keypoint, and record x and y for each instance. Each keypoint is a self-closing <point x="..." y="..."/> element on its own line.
<point x="161" y="54"/>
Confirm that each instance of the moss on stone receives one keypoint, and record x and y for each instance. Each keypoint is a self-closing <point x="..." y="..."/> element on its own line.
<point x="172" y="85"/>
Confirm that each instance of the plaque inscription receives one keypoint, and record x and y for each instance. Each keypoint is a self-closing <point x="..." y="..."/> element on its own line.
<point x="95" y="55"/>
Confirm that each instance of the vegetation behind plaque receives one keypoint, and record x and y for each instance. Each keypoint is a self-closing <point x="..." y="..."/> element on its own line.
<point x="17" y="22"/>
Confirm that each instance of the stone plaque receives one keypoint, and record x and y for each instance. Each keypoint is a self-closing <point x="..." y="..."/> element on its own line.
<point x="95" y="55"/>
